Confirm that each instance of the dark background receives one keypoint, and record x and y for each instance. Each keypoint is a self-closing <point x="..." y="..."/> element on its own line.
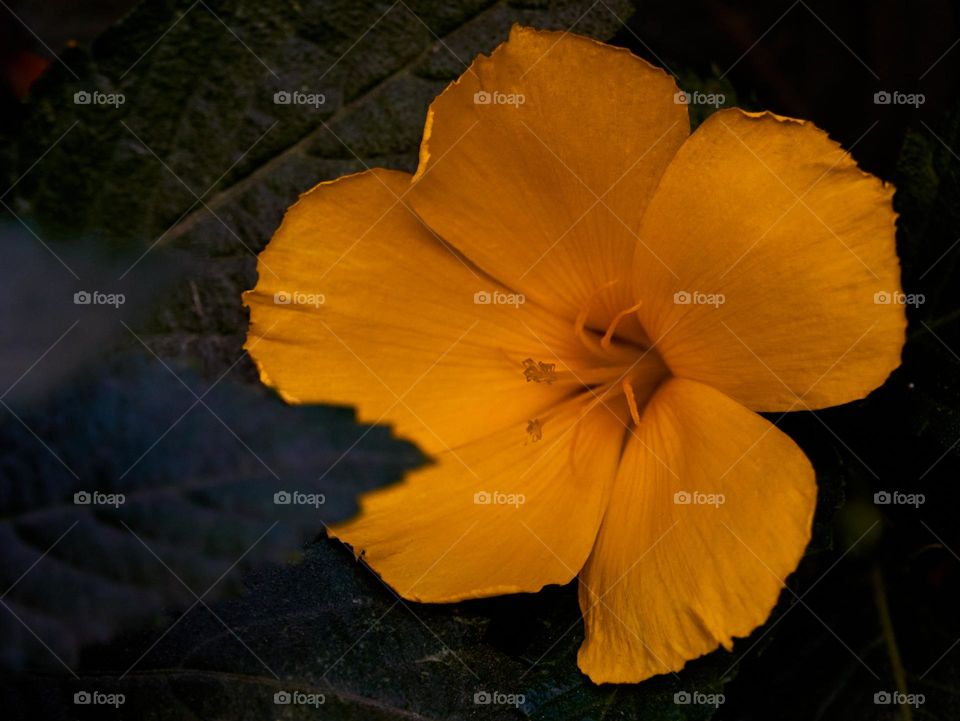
<point x="876" y="596"/>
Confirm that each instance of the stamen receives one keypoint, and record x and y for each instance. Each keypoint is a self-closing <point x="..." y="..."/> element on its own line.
<point x="534" y="429"/>
<point x="539" y="372"/>
<point x="581" y="320"/>
<point x="605" y="341"/>
<point x="631" y="401"/>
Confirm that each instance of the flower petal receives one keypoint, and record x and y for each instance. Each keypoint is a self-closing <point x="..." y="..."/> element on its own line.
<point x="398" y="332"/>
<point x="781" y="245"/>
<point x="547" y="195"/>
<point x="434" y="539"/>
<point x="669" y="581"/>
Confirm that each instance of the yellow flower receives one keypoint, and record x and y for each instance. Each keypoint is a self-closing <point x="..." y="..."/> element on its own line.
<point x="575" y="306"/>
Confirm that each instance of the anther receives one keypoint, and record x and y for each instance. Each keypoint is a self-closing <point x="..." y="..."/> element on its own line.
<point x="539" y="372"/>
<point x="534" y="430"/>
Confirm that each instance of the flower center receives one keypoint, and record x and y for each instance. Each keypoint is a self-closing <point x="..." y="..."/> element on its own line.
<point x="620" y="370"/>
<point x="627" y="366"/>
<point x="641" y="380"/>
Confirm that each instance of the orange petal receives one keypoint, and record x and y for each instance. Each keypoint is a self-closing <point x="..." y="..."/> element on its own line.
<point x="504" y="514"/>
<point x="382" y="316"/>
<point x="669" y="581"/>
<point x="782" y="248"/>
<point x="547" y="194"/>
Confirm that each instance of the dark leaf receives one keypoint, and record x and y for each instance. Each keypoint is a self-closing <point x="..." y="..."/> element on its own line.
<point x="145" y="496"/>
<point x="329" y="627"/>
